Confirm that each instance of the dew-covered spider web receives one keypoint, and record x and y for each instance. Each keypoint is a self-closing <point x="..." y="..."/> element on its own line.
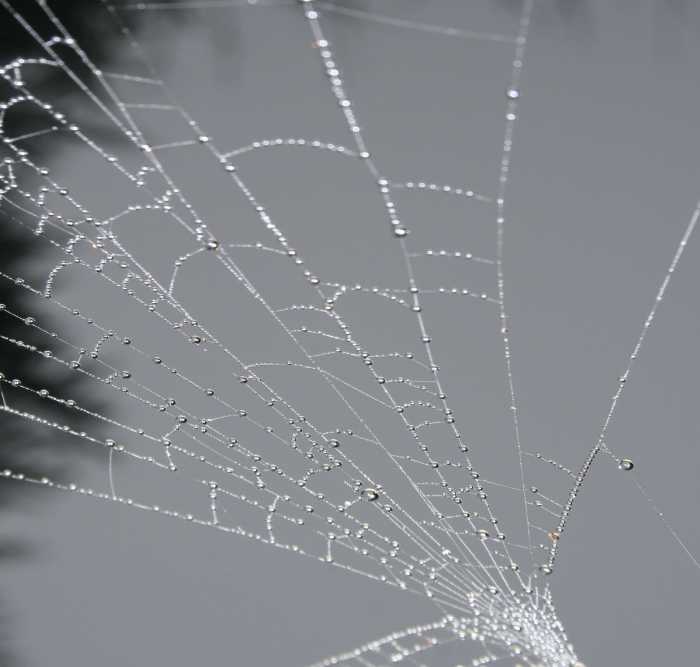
<point x="274" y="327"/>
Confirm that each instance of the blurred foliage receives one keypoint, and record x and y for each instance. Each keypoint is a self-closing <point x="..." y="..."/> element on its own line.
<point x="24" y="446"/>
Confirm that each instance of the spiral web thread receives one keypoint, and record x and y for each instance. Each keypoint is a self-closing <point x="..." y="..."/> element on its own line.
<point x="413" y="512"/>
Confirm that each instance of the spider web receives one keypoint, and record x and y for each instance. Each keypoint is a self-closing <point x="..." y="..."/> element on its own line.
<point x="264" y="378"/>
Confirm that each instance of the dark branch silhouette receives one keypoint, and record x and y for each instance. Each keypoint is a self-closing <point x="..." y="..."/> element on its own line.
<point x="23" y="447"/>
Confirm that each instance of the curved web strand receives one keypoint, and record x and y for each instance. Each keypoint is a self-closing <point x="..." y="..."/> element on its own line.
<point x="429" y="643"/>
<point x="407" y="646"/>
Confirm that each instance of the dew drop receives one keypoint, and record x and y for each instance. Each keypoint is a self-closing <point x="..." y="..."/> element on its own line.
<point x="626" y="464"/>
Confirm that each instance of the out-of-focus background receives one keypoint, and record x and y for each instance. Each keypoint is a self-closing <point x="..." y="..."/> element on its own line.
<point x="604" y="181"/>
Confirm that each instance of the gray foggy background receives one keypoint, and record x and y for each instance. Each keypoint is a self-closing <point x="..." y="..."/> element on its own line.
<point x="604" y="181"/>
